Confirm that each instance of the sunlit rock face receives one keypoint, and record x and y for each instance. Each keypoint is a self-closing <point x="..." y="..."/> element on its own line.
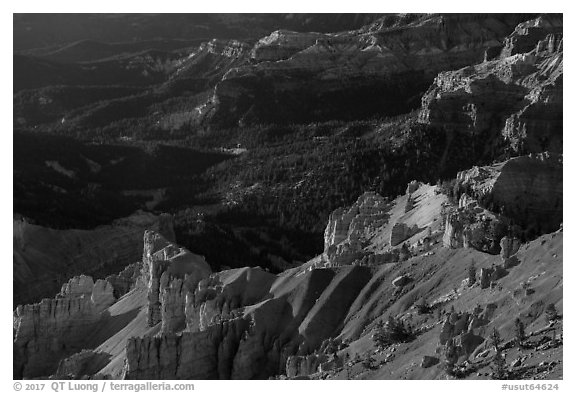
<point x="515" y="96"/>
<point x="240" y="323"/>
<point x="474" y="227"/>
<point x="47" y="331"/>
<point x="168" y="271"/>
<point x="348" y="228"/>
<point x="527" y="189"/>
<point x="524" y="191"/>
<point x="381" y="68"/>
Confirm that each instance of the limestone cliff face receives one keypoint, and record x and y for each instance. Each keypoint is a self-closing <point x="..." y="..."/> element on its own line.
<point x="199" y="355"/>
<point x="524" y="190"/>
<point x="282" y="44"/>
<point x="355" y="71"/>
<point x="227" y="48"/>
<point x="168" y="272"/>
<point x="527" y="189"/>
<point x="222" y="295"/>
<point x="304" y="365"/>
<point x="241" y="323"/>
<point x="125" y="280"/>
<point x="474" y="227"/>
<point x="347" y="228"/>
<point x="47" y="331"/>
<point x="515" y="96"/>
<point x="45" y="258"/>
<point x="82" y="365"/>
<point x="376" y="231"/>
<point x="509" y="246"/>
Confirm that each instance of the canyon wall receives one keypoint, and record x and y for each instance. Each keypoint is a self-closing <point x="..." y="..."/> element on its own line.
<point x="47" y="331"/>
<point x="379" y="68"/>
<point x="514" y="97"/>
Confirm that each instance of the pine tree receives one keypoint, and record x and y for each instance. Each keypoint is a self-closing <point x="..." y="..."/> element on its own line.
<point x="496" y="340"/>
<point x="393" y="331"/>
<point x="450" y="357"/>
<point x="498" y="366"/>
<point x="519" y="332"/>
<point x="379" y="336"/>
<point x="423" y="307"/>
<point x="471" y="274"/>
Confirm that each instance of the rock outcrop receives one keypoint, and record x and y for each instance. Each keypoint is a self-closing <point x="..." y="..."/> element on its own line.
<point x="348" y="228"/>
<point x="356" y="71"/>
<point x="251" y="324"/>
<point x="375" y="231"/>
<point x="241" y="323"/>
<point x="527" y="189"/>
<point x="222" y="295"/>
<point x="200" y="355"/>
<point x="459" y="327"/>
<point x="473" y="227"/>
<point x="515" y="96"/>
<point x="168" y="272"/>
<point x="304" y="365"/>
<point x="44" y="258"/>
<point x="81" y="365"/>
<point x="126" y="280"/>
<point x="47" y="331"/>
<point x="509" y="246"/>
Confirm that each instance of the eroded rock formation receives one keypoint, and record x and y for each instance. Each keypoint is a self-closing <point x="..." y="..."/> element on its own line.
<point x="515" y="96"/>
<point x="47" y="331"/>
<point x="248" y="323"/>
<point x="241" y="323"/>
<point x="473" y="227"/>
<point x="168" y="272"/>
<point x="347" y="228"/>
<point x="45" y="258"/>
<point x="509" y="246"/>
<point x="527" y="189"/>
<point x="356" y="71"/>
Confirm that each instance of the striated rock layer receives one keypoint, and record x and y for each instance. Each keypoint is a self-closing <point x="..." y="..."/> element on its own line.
<point x="47" y="331"/>
<point x="503" y="203"/>
<point x="515" y="96"/>
<point x="380" y="68"/>
<point x="168" y="272"/>
<point x="376" y="231"/>
<point x="527" y="189"/>
<point x="348" y="228"/>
